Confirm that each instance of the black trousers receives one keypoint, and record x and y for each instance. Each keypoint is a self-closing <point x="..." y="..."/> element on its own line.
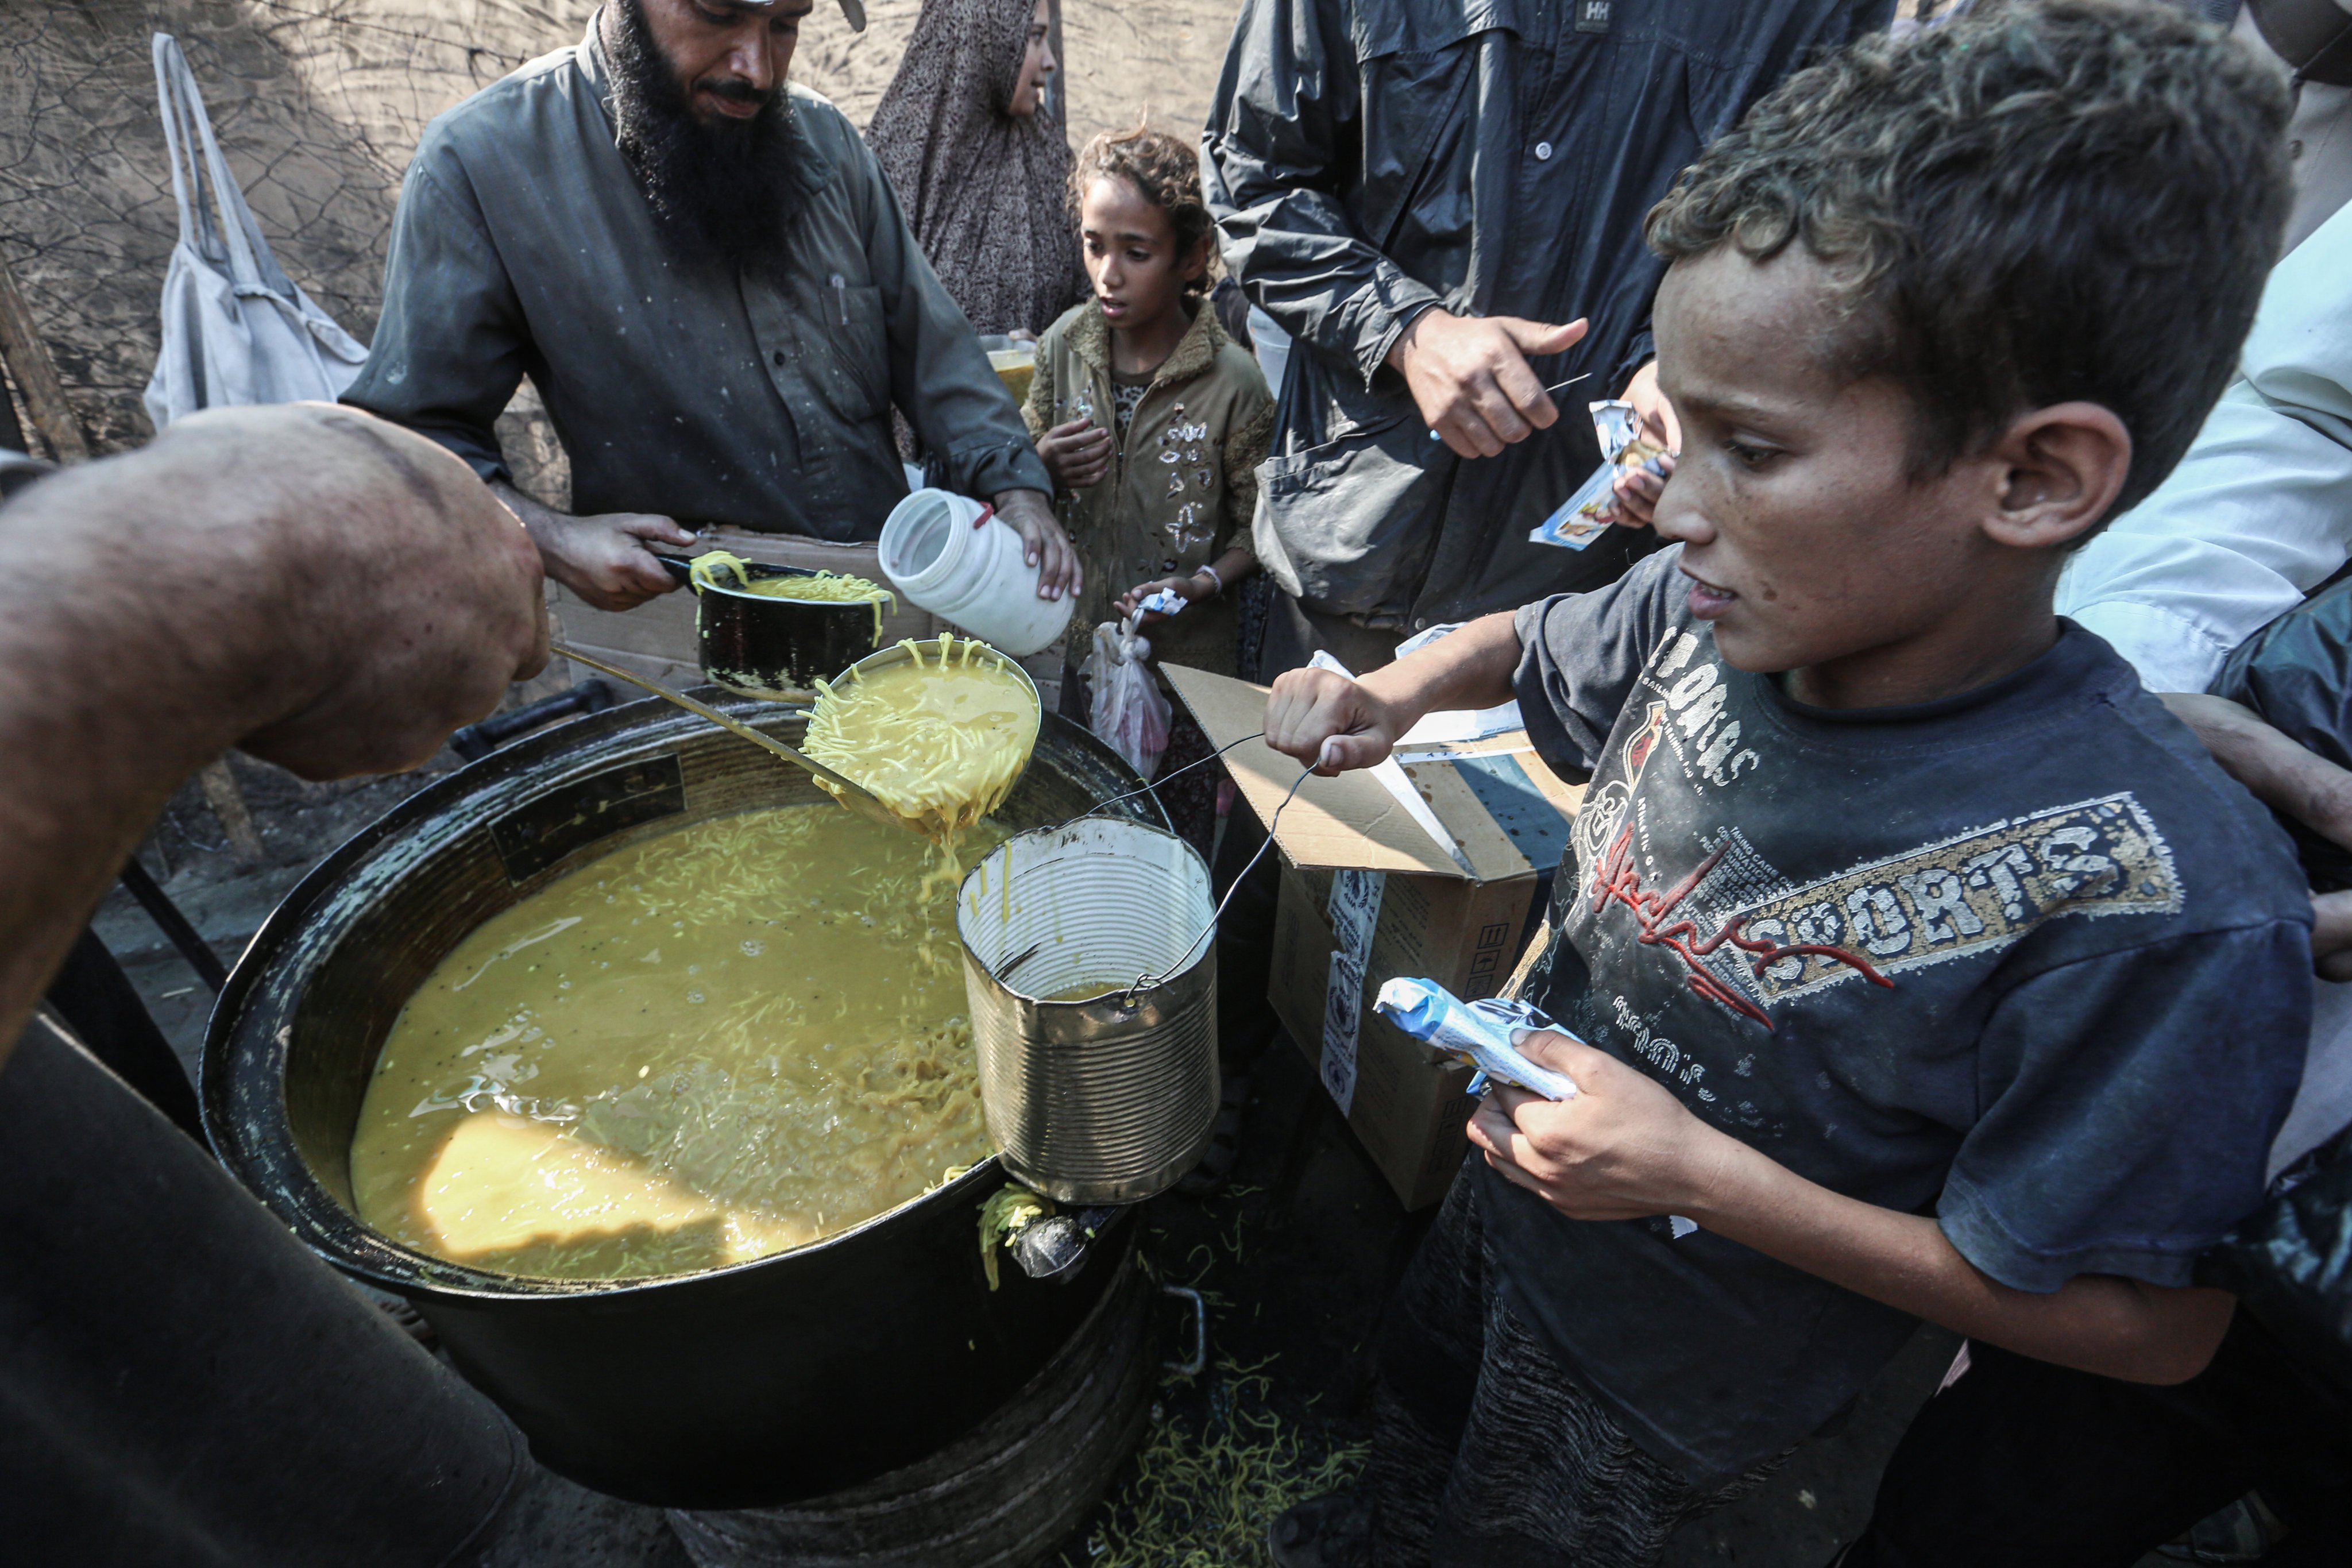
<point x="184" y="1385"/>
<point x="2028" y="1465"/>
<point x="1486" y="1452"/>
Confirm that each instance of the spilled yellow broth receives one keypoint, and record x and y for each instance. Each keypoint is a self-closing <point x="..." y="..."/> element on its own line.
<point x="728" y="1041"/>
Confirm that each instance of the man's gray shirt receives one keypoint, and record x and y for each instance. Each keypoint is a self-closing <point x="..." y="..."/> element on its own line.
<point x="760" y="397"/>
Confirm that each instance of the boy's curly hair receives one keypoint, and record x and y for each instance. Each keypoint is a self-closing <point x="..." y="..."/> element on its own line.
<point x="1165" y="171"/>
<point x="2037" y="202"/>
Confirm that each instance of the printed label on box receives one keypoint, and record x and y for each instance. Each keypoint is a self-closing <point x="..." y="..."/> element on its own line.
<point x="1343" y="1007"/>
<point x="1355" y="911"/>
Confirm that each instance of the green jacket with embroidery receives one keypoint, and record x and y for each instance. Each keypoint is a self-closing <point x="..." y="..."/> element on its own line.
<point x="1180" y="489"/>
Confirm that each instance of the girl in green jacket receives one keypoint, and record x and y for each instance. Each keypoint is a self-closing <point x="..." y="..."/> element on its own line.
<point x="1152" y="422"/>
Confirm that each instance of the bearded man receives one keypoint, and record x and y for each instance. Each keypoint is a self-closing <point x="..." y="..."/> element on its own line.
<point x="708" y="278"/>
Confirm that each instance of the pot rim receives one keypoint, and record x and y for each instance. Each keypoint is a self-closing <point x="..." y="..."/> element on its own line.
<point x="763" y="570"/>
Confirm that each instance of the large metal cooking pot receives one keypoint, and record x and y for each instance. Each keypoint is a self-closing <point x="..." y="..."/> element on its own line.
<point x="753" y="1385"/>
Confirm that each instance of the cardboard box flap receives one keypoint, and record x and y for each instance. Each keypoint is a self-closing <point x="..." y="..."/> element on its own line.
<point x="1510" y="813"/>
<point x="1346" y="823"/>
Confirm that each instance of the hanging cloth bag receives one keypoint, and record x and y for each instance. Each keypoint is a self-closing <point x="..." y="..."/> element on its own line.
<point x="235" y="329"/>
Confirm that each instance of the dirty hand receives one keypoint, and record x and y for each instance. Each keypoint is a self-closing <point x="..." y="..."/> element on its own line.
<point x="1191" y="590"/>
<point x="1470" y="376"/>
<point x="606" y="558"/>
<point x="400" y="598"/>
<point x="2331" y="935"/>
<point x="1637" y="491"/>
<point x="1320" y="717"/>
<point x="1078" y="454"/>
<point x="1622" y="1149"/>
<point x="1048" y="548"/>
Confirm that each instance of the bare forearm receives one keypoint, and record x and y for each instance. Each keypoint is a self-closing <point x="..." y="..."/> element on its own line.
<point x="1471" y="667"/>
<point x="2274" y="769"/>
<point x="1332" y="723"/>
<point x="106" y="703"/>
<point x="324" y="590"/>
<point x="537" y="515"/>
<point x="606" y="559"/>
<point x="2099" y="1323"/>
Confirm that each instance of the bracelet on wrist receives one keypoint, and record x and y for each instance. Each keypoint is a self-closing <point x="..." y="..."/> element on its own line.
<point x="1212" y="574"/>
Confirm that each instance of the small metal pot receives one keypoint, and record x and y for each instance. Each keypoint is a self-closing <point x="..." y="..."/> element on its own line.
<point x="777" y="649"/>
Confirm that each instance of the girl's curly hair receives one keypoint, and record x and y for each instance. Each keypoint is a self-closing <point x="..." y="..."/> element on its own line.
<point x="1165" y="171"/>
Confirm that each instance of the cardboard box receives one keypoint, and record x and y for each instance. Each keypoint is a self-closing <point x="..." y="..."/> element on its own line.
<point x="1439" y="868"/>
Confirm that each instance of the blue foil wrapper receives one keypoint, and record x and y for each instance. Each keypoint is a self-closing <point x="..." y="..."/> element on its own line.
<point x="1480" y="1032"/>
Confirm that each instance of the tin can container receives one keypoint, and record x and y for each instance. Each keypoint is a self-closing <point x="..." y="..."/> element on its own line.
<point x="1090" y="962"/>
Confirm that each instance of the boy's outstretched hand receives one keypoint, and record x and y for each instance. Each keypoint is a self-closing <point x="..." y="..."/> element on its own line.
<point x="1323" y="717"/>
<point x="1326" y="719"/>
<point x="1624" y="1148"/>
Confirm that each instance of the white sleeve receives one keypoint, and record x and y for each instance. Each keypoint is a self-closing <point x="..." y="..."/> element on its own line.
<point x="2260" y="511"/>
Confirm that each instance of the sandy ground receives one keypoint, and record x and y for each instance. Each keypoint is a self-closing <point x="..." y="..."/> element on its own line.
<point x="318" y="105"/>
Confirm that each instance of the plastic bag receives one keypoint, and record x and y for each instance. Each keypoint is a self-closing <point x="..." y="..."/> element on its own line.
<point x="2290" y="1263"/>
<point x="1128" y="713"/>
<point x="236" y="330"/>
<point x="1484" y="1034"/>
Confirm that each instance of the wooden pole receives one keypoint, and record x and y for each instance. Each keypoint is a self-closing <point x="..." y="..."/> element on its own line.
<point x="12" y="433"/>
<point x="227" y="801"/>
<point x="1059" y="103"/>
<point x="35" y="374"/>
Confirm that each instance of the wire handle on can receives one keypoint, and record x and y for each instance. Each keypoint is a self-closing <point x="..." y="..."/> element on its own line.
<point x="1147" y="980"/>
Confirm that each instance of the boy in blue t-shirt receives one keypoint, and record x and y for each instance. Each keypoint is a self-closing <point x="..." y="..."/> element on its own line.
<point x="1917" y="955"/>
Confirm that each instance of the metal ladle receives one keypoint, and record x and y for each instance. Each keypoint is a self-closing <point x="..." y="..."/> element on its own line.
<point x="855" y="796"/>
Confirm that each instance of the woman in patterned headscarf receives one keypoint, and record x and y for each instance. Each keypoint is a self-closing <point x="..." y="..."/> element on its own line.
<point x="980" y="165"/>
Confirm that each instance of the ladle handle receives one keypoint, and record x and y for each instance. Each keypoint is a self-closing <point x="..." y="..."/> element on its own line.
<point x="854" y="795"/>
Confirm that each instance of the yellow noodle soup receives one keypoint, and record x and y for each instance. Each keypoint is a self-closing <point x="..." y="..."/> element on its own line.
<point x="940" y="737"/>
<point x="728" y="573"/>
<point x="722" y="1043"/>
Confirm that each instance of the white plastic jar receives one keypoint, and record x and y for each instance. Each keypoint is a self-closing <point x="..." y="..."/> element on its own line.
<point x="958" y="560"/>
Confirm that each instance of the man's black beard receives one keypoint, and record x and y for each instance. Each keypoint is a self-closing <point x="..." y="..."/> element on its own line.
<point x="727" y="189"/>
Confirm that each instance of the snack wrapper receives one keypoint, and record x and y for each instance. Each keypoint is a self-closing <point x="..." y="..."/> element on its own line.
<point x="1485" y="1033"/>
<point x="1167" y="602"/>
<point x="1591" y="511"/>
